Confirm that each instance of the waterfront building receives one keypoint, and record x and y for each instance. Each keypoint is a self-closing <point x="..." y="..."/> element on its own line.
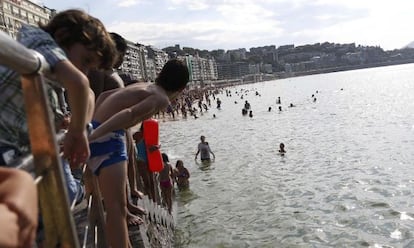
<point x="232" y="70"/>
<point x="203" y="71"/>
<point x="134" y="61"/>
<point x="158" y="56"/>
<point x="14" y="13"/>
<point x="254" y="68"/>
<point x="150" y="69"/>
<point x="237" y="54"/>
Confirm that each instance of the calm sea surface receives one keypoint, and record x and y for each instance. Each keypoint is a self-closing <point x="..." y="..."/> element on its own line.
<point x="346" y="180"/>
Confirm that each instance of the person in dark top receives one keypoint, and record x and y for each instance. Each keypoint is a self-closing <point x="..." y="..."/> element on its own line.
<point x="204" y="149"/>
<point x="282" y="149"/>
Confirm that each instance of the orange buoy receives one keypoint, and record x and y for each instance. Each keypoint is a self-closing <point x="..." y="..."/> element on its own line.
<point x="151" y="138"/>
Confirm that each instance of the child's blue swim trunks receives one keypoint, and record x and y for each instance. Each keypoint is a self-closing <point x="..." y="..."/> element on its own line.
<point x="107" y="150"/>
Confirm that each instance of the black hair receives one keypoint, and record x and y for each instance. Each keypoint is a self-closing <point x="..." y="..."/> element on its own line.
<point x="174" y="76"/>
<point x="120" y="42"/>
<point x="165" y="157"/>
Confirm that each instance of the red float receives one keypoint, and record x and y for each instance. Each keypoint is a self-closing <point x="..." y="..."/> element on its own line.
<point x="151" y="138"/>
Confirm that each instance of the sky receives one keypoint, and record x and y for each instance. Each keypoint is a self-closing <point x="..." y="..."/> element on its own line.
<point x="234" y="24"/>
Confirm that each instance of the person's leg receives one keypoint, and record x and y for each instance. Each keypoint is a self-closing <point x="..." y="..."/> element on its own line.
<point x="132" y="165"/>
<point x="134" y="209"/>
<point x="112" y="182"/>
<point x="168" y="197"/>
<point x="166" y="194"/>
<point x="145" y="175"/>
<point x="134" y="220"/>
<point x="163" y="196"/>
<point x="91" y="105"/>
<point x="131" y="189"/>
<point x="155" y="188"/>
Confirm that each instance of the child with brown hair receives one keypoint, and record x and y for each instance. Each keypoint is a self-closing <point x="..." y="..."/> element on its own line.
<point x="73" y="42"/>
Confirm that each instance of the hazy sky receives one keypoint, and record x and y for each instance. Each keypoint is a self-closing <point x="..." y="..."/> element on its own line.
<point x="232" y="24"/>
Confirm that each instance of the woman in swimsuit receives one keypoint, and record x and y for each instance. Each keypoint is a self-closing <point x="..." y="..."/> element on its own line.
<point x="181" y="175"/>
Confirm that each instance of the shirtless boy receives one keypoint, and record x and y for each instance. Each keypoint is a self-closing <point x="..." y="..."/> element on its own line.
<point x="116" y="111"/>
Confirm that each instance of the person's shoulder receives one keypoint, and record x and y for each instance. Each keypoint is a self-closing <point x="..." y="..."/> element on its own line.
<point x="157" y="89"/>
<point x="112" y="80"/>
<point x="29" y="35"/>
<point x="159" y="95"/>
<point x="41" y="41"/>
<point x="28" y="30"/>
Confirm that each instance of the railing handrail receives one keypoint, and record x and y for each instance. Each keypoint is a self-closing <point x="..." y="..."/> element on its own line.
<point x="19" y="58"/>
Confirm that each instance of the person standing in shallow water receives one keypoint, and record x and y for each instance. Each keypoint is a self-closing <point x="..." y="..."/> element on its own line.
<point x="166" y="182"/>
<point x="282" y="149"/>
<point x="181" y="175"/>
<point x="204" y="149"/>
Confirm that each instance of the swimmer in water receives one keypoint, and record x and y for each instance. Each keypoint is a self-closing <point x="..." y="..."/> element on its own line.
<point x="181" y="175"/>
<point x="282" y="149"/>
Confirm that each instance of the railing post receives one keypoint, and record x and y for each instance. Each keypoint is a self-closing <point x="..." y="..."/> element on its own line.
<point x="59" y="225"/>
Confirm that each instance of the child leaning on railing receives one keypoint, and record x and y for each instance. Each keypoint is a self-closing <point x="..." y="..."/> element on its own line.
<point x="72" y="43"/>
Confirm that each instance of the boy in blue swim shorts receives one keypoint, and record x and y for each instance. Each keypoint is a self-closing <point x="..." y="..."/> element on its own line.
<point x="117" y="110"/>
<point x="107" y="150"/>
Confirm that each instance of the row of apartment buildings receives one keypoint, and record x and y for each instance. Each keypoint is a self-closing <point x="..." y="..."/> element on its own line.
<point x="143" y="62"/>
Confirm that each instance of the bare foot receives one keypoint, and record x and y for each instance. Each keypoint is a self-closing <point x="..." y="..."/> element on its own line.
<point x="134" y="209"/>
<point x="133" y="220"/>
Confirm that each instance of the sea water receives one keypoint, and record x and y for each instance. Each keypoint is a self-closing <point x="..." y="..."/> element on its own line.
<point x="346" y="179"/>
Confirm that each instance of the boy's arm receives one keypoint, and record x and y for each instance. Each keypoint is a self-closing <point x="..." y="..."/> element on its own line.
<point x="76" y="145"/>
<point x="103" y="96"/>
<point x="129" y="117"/>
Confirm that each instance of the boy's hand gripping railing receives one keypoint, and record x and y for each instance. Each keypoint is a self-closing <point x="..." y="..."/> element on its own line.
<point x="57" y="217"/>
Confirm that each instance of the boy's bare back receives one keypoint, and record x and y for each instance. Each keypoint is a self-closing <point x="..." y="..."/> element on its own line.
<point x="135" y="97"/>
<point x="126" y="107"/>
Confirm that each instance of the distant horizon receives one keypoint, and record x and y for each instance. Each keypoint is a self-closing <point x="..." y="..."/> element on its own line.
<point x="234" y="24"/>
